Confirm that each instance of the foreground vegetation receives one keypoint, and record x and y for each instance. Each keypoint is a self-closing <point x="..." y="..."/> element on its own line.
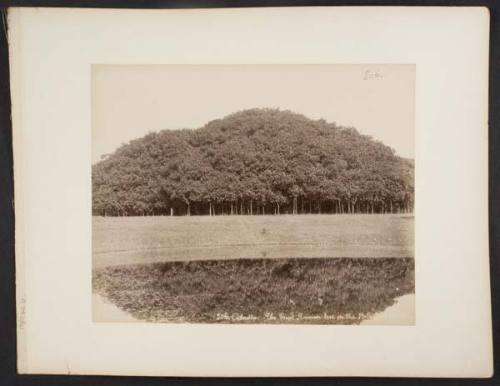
<point x="253" y="269"/>
<point x="258" y="161"/>
<point x="336" y="291"/>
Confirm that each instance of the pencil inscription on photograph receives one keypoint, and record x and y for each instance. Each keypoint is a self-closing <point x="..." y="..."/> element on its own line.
<point x="253" y="194"/>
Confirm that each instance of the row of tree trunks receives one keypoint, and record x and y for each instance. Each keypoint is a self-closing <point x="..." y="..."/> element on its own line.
<point x="241" y="207"/>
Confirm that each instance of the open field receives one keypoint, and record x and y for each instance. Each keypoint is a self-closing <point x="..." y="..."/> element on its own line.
<point x="132" y="240"/>
<point x="323" y="269"/>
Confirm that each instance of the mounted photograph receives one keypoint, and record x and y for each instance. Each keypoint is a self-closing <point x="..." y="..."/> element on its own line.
<point x="256" y="193"/>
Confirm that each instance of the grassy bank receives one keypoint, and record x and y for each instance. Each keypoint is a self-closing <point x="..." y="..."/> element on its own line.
<point x="135" y="240"/>
<point x="287" y="290"/>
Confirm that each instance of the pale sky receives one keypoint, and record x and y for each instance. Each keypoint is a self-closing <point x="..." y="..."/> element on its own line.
<point x="128" y="101"/>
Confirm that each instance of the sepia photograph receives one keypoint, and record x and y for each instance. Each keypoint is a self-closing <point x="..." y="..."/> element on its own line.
<point x="264" y="194"/>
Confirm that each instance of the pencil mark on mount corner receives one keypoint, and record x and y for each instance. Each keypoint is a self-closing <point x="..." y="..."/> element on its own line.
<point x="22" y="313"/>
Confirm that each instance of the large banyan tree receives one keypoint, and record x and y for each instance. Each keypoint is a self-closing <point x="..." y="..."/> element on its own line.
<point x="259" y="161"/>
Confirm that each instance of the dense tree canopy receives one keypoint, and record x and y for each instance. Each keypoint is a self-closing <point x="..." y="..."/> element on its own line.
<point x="259" y="161"/>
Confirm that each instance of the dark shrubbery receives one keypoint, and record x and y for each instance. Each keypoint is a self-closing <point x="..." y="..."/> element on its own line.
<point x="346" y="290"/>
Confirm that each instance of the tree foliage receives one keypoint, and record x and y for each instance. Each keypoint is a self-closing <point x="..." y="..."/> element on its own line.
<point x="258" y="161"/>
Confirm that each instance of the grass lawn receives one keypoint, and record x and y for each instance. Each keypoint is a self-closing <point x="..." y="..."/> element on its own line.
<point x="131" y="240"/>
<point x="338" y="269"/>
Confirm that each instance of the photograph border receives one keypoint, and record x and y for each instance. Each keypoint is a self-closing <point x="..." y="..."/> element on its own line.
<point x="376" y="237"/>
